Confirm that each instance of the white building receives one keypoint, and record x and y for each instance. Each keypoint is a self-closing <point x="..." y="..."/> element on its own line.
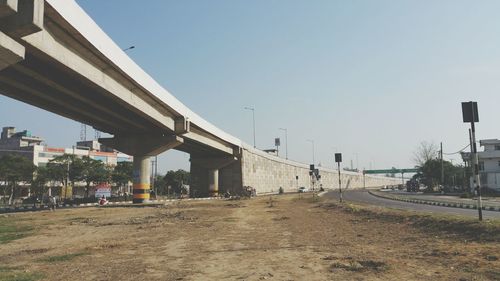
<point x="23" y="143"/>
<point x="489" y="163"/>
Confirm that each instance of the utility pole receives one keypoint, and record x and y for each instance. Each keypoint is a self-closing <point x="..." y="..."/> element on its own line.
<point x="442" y="166"/>
<point x="83" y="132"/>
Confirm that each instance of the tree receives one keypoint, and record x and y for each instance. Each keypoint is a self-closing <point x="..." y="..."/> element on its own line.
<point x="93" y="171"/>
<point x="160" y="185"/>
<point x="176" y="179"/>
<point x="425" y="152"/>
<point x="38" y="185"/>
<point x="65" y="169"/>
<point x="430" y="174"/>
<point x="122" y="174"/>
<point x="14" y="169"/>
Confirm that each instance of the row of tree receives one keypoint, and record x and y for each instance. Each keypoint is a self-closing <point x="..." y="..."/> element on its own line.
<point x="430" y="168"/>
<point x="67" y="170"/>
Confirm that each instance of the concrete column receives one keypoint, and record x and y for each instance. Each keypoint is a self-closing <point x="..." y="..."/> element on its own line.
<point x="141" y="179"/>
<point x="213" y="183"/>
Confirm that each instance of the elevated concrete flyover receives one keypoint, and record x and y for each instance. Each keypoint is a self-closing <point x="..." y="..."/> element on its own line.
<point x="55" y="57"/>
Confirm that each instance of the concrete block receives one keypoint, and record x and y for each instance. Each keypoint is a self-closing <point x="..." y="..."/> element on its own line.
<point x="11" y="52"/>
<point x="7" y="7"/>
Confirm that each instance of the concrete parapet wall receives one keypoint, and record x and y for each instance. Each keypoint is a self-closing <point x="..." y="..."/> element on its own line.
<point x="267" y="173"/>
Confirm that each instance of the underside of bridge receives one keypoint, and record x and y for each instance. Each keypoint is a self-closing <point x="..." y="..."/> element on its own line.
<point x="48" y="63"/>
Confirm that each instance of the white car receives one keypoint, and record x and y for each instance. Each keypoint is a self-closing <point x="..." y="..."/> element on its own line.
<point x="303" y="189"/>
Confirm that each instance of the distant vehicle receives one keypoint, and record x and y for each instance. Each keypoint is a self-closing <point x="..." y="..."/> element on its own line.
<point x="303" y="189"/>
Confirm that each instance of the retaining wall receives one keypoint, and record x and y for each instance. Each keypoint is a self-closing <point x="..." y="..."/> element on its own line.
<point x="267" y="173"/>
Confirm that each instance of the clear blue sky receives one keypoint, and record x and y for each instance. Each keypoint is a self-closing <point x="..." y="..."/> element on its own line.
<point x="368" y="77"/>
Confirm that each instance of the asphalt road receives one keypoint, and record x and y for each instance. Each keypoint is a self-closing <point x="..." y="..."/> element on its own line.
<point x="362" y="196"/>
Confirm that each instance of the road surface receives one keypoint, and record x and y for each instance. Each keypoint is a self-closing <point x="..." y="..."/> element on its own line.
<point x="362" y="196"/>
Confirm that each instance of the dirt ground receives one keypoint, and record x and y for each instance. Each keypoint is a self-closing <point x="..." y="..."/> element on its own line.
<point x="295" y="239"/>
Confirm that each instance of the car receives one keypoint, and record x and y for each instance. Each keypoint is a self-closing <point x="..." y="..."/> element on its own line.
<point x="303" y="189"/>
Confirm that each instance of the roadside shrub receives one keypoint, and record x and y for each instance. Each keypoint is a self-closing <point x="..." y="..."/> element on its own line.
<point x="466" y="195"/>
<point x="281" y="190"/>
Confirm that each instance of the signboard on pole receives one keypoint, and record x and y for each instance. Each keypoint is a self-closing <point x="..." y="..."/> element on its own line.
<point x="469" y="112"/>
<point x="338" y="157"/>
<point x="277" y="142"/>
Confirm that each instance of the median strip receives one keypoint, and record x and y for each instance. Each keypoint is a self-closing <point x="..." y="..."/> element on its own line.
<point x="434" y="203"/>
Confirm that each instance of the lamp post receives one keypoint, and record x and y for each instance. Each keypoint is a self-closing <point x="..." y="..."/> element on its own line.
<point x="253" y="116"/>
<point x="312" y="141"/>
<point x="286" y="142"/>
<point x="357" y="161"/>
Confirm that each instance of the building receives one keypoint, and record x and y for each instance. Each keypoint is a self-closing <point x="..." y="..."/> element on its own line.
<point x="32" y="147"/>
<point x="489" y="163"/>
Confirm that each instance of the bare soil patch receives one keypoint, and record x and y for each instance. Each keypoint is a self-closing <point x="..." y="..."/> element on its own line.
<point x="296" y="239"/>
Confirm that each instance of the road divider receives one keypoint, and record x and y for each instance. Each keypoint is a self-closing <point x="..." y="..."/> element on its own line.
<point x="428" y="202"/>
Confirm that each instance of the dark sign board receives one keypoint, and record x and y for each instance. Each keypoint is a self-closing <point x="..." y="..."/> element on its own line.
<point x="338" y="157"/>
<point x="469" y="112"/>
<point x="311" y="167"/>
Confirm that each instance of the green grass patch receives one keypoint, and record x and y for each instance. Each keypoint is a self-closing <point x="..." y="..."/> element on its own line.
<point x="63" y="258"/>
<point x="11" y="230"/>
<point x="16" y="274"/>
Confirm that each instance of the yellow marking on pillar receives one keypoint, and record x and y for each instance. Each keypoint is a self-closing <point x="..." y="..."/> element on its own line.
<point x="141" y="196"/>
<point x="142" y="186"/>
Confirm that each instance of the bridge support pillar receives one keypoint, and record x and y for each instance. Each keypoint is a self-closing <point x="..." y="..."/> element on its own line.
<point x="141" y="179"/>
<point x="213" y="182"/>
<point x="142" y="147"/>
<point x="212" y="175"/>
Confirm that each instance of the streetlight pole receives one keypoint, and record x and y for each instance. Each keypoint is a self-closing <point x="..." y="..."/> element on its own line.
<point x="253" y="116"/>
<point x="357" y="161"/>
<point x="286" y="141"/>
<point x="312" y="141"/>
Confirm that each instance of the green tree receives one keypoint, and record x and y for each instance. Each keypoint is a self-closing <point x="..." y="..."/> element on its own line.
<point x="14" y="169"/>
<point x="93" y="171"/>
<point x="160" y="185"/>
<point x="430" y="174"/>
<point x="176" y="179"/>
<point x="122" y="174"/>
<point x="66" y="169"/>
<point x="42" y="177"/>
